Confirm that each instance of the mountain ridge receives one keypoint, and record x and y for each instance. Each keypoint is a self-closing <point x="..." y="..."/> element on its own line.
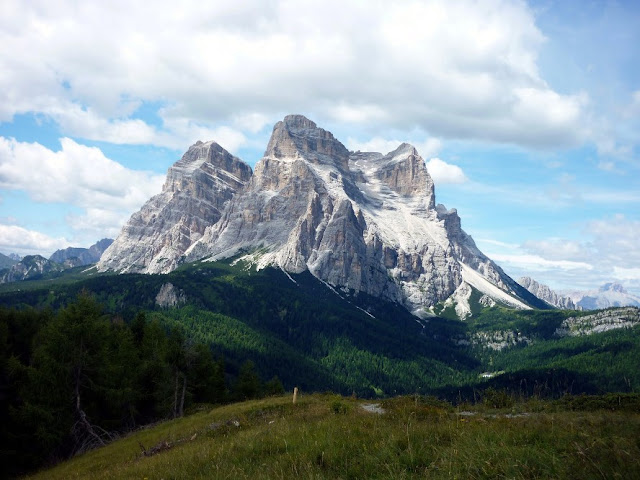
<point x="32" y="267"/>
<point x="545" y="293"/>
<point x="363" y="221"/>
<point x="82" y="256"/>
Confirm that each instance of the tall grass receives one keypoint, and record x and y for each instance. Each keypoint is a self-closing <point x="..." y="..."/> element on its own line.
<point x="327" y="436"/>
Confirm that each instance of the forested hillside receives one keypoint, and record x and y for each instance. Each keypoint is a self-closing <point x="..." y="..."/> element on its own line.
<point x="86" y="357"/>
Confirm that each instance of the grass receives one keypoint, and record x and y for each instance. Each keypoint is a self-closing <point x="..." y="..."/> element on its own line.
<point x="328" y="436"/>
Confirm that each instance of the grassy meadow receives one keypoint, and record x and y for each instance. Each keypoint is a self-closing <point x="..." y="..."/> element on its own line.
<point x="329" y="436"/>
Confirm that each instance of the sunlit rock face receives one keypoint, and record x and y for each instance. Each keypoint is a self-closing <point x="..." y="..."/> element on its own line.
<point x="362" y="221"/>
<point x="195" y="192"/>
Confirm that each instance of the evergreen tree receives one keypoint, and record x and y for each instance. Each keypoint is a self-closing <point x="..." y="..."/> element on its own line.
<point x="273" y="387"/>
<point x="248" y="383"/>
<point x="207" y="376"/>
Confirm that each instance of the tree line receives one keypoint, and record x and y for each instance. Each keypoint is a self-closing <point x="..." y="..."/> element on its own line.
<point x="75" y="379"/>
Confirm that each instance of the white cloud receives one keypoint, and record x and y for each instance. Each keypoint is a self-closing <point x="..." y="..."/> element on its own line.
<point x="622" y="274"/>
<point x="443" y="172"/>
<point x="607" y="166"/>
<point x="78" y="175"/>
<point x="176" y="132"/>
<point x="558" y="249"/>
<point x="537" y="263"/>
<point x="15" y="239"/>
<point x="426" y="148"/>
<point x="460" y="69"/>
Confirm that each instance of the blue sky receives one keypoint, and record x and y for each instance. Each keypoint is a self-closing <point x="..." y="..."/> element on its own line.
<point x="527" y="114"/>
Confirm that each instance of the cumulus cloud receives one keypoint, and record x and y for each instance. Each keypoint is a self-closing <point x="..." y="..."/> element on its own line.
<point x="82" y="176"/>
<point x="443" y="172"/>
<point x="16" y="239"/>
<point x="460" y="69"/>
<point x="558" y="249"/>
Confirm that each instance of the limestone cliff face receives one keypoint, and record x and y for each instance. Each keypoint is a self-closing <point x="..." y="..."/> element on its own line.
<point x="193" y="196"/>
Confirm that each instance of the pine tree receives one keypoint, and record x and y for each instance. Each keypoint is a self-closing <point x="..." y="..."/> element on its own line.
<point x="248" y="384"/>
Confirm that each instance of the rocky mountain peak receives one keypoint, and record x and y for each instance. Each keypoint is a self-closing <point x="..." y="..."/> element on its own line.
<point x="361" y="221"/>
<point x="405" y="172"/>
<point x="612" y="287"/>
<point x="297" y="136"/>
<point x="196" y="190"/>
<point x="31" y="267"/>
<point x="204" y="164"/>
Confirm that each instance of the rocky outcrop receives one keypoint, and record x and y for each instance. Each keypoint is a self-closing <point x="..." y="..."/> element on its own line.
<point x="81" y="256"/>
<point x="31" y="267"/>
<point x="361" y="221"/>
<point x="193" y="197"/>
<point x="169" y="296"/>
<point x="601" y="321"/>
<point x="499" y="340"/>
<point x="543" y="292"/>
<point x="296" y="136"/>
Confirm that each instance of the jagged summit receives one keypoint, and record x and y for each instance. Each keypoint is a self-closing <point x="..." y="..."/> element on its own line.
<point x="193" y="196"/>
<point x="362" y="221"/>
<point x="296" y="136"/>
<point x="81" y="256"/>
<point x="545" y="293"/>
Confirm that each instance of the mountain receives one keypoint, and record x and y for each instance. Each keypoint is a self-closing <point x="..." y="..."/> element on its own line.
<point x="194" y="194"/>
<point x="543" y="292"/>
<point x="81" y="256"/>
<point x="608" y="295"/>
<point x="30" y="267"/>
<point x="358" y="221"/>
<point x="6" y="261"/>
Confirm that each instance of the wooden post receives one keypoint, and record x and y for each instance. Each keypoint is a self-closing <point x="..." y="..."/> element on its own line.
<point x="295" y="395"/>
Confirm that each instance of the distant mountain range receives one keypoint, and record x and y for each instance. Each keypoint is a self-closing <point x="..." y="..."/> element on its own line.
<point x="81" y="256"/>
<point x="608" y="295"/>
<point x="35" y="266"/>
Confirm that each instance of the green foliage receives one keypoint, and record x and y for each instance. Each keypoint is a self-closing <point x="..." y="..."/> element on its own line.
<point x="493" y="398"/>
<point x="72" y="381"/>
<point x="617" y="402"/>
<point x="412" y="439"/>
<point x="273" y="387"/>
<point x="248" y="383"/>
<point x="339" y="406"/>
<point x="132" y="363"/>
